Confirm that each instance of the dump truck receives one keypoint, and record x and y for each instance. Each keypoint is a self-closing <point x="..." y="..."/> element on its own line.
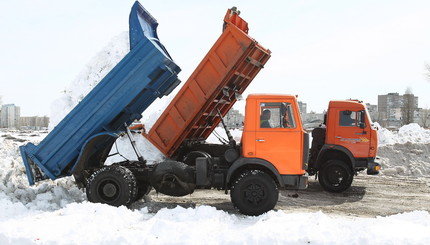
<point x="273" y="153"/>
<point x="82" y="140"/>
<point x="343" y="145"/>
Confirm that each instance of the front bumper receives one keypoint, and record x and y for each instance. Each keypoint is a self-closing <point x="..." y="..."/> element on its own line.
<point x="373" y="168"/>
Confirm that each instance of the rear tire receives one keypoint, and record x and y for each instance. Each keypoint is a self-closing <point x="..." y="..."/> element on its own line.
<point x="113" y="185"/>
<point x="254" y="192"/>
<point x="335" y="176"/>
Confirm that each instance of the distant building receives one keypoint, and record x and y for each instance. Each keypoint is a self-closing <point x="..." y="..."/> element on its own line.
<point x="9" y="116"/>
<point x="389" y="112"/>
<point x="312" y="120"/>
<point x="234" y="119"/>
<point x="34" y="123"/>
<point x="373" y="111"/>
<point x="394" y="108"/>
<point x="303" y="107"/>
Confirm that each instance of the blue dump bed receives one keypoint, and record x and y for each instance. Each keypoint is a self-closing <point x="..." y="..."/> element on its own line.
<point x="84" y="137"/>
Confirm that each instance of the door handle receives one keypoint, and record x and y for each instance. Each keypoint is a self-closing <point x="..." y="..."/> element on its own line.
<point x="338" y="137"/>
<point x="260" y="140"/>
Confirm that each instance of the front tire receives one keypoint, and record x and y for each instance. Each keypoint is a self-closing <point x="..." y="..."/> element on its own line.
<point x="254" y="192"/>
<point x="113" y="185"/>
<point x="335" y="176"/>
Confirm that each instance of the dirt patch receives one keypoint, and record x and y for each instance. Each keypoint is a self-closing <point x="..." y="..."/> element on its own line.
<point x="369" y="196"/>
<point x="10" y="137"/>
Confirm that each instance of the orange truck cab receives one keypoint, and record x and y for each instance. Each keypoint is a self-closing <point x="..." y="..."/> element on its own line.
<point x="345" y="144"/>
<point x="273" y="134"/>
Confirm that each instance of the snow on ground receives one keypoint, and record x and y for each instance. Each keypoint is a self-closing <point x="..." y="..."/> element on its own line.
<point x="56" y="212"/>
<point x="88" y="223"/>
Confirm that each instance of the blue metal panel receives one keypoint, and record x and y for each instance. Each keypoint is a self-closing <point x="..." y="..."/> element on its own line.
<point x="143" y="24"/>
<point x="145" y="73"/>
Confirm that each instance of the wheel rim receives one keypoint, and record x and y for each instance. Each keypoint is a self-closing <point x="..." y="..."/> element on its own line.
<point x="336" y="176"/>
<point x="255" y="194"/>
<point x="108" y="190"/>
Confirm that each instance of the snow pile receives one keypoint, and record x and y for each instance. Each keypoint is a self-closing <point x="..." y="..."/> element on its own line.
<point x="49" y="195"/>
<point x="405" y="159"/>
<point x="406" y="152"/>
<point x="412" y="133"/>
<point x="125" y="150"/>
<point x="89" y="77"/>
<point x="385" y="136"/>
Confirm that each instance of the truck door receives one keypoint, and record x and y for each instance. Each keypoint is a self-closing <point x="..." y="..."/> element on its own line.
<point x="351" y="133"/>
<point x="279" y="137"/>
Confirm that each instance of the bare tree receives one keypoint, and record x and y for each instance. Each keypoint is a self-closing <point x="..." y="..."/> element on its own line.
<point x="408" y="107"/>
<point x="425" y="117"/>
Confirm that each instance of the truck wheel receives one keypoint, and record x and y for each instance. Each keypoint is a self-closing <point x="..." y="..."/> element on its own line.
<point x="335" y="176"/>
<point x="113" y="185"/>
<point x="254" y="192"/>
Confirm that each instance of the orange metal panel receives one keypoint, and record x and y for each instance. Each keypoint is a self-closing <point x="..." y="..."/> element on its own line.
<point x="362" y="143"/>
<point x="228" y="68"/>
<point x="283" y="147"/>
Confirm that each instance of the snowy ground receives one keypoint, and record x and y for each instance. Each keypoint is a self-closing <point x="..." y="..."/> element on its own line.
<point x="56" y="212"/>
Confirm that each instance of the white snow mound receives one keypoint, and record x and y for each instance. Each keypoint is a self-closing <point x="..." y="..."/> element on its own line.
<point x="89" y="77"/>
<point x="412" y="133"/>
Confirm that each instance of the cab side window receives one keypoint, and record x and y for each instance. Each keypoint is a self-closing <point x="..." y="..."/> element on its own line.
<point x="348" y="118"/>
<point x="277" y="115"/>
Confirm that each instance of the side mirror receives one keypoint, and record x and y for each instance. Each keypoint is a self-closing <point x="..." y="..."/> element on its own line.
<point x="362" y="123"/>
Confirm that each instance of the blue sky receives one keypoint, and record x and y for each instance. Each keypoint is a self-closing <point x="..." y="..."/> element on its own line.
<point x="321" y="50"/>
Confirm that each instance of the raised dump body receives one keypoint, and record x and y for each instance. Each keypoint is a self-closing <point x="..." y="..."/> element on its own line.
<point x="224" y="73"/>
<point x="84" y="137"/>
